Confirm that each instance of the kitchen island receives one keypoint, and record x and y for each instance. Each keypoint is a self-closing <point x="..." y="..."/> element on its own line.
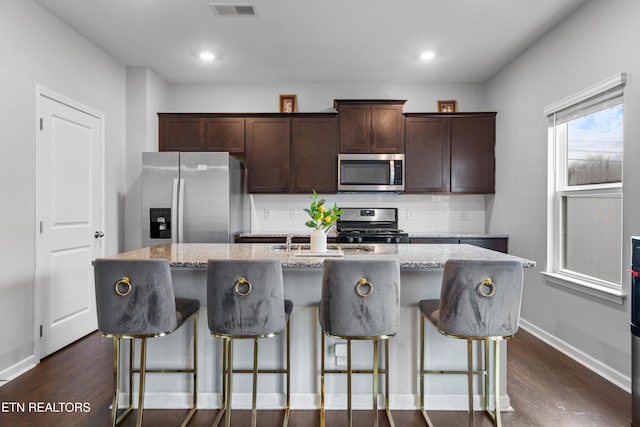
<point x="421" y="272"/>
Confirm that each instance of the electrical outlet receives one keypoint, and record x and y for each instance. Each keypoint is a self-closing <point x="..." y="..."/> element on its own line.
<point x="340" y="351"/>
<point x="410" y="214"/>
<point x="267" y="214"/>
<point x="293" y="214"/>
<point x="463" y="215"/>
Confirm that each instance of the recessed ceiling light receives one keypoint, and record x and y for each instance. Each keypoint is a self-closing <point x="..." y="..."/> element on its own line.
<point x="206" y="56"/>
<point x="427" y="55"/>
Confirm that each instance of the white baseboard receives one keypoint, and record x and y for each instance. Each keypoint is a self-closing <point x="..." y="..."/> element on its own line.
<point x="613" y="376"/>
<point x="17" y="369"/>
<point x="310" y="401"/>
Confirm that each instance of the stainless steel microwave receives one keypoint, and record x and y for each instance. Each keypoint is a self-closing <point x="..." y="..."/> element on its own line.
<point x="371" y="172"/>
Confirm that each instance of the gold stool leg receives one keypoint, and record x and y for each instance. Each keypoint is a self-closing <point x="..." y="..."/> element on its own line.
<point x="350" y="413"/>
<point x="287" y="410"/>
<point x="143" y="368"/>
<point x="485" y="374"/>
<point x="116" y="382"/>
<point x="229" y="380"/>
<point x="422" y="355"/>
<point x="470" y="379"/>
<point x="386" y="380"/>
<point x="322" y="379"/>
<point x="496" y="383"/>
<point x="194" y="371"/>
<point x="375" y="383"/>
<point x="255" y="383"/>
<point x="223" y="402"/>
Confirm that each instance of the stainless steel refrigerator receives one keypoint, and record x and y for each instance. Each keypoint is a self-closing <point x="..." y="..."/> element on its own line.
<point x="193" y="198"/>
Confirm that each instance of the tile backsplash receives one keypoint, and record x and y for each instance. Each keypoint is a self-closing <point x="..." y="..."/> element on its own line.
<point x="283" y="213"/>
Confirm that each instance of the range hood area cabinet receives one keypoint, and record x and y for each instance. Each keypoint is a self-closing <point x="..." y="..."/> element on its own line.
<point x="294" y="155"/>
<point x="371" y="126"/>
<point x="451" y="153"/>
<point x="201" y="132"/>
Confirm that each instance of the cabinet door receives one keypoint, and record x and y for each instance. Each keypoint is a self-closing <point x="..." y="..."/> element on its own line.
<point x="224" y="134"/>
<point x="472" y="154"/>
<point x="387" y="129"/>
<point x="427" y="155"/>
<point x="355" y="128"/>
<point x="313" y="142"/>
<point x="180" y="134"/>
<point x="268" y="149"/>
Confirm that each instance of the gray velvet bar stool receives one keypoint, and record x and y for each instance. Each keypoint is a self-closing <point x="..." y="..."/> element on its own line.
<point x="245" y="300"/>
<point x="360" y="301"/>
<point x="135" y="300"/>
<point x="479" y="301"/>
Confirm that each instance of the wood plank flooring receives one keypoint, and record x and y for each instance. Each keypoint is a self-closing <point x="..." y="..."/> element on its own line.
<point x="546" y="389"/>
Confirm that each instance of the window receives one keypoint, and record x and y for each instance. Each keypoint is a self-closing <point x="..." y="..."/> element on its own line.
<point x="585" y="190"/>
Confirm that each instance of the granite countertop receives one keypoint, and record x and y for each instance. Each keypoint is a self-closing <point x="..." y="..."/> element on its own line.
<point x="415" y="256"/>
<point x="426" y="234"/>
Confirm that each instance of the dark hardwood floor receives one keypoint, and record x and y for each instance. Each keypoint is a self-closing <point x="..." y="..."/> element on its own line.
<point x="546" y="389"/>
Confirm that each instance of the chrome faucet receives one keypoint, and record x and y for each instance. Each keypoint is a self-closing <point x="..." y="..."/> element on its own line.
<point x="289" y="240"/>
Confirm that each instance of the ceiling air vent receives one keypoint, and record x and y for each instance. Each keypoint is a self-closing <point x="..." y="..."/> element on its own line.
<point x="233" y="9"/>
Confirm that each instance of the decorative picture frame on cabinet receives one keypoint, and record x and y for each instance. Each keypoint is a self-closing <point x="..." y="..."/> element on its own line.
<point x="447" y="106"/>
<point x="287" y="103"/>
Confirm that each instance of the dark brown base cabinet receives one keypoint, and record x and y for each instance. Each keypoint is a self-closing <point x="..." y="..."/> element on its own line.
<point x="450" y="153"/>
<point x="500" y="244"/>
<point x="371" y="126"/>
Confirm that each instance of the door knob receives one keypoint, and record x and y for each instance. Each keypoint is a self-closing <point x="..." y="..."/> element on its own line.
<point x="98" y="234"/>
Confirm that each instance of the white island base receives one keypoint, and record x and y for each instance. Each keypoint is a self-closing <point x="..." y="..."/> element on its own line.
<point x="302" y="285"/>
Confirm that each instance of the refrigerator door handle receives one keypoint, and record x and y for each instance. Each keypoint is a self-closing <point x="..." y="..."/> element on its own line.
<point x="174" y="210"/>
<point x="181" y="212"/>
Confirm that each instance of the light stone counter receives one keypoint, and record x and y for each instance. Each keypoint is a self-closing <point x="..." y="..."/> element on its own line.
<point x="414" y="256"/>
<point x="421" y="274"/>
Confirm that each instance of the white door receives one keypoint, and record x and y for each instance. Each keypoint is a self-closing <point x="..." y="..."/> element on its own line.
<point x="69" y="231"/>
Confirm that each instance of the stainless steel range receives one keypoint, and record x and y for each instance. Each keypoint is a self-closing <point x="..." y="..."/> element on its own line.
<point x="370" y="225"/>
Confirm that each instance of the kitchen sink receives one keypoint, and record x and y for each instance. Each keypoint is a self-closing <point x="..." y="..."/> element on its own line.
<point x="350" y="249"/>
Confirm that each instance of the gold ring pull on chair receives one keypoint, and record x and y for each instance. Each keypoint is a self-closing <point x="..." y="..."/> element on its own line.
<point x="360" y="301"/>
<point x="479" y="301"/>
<point x="245" y="300"/>
<point x="135" y="300"/>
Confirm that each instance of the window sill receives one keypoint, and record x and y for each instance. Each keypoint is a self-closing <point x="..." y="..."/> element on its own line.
<point x="602" y="292"/>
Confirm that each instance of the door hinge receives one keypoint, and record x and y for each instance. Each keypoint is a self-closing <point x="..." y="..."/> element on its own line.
<point x="41" y="227"/>
<point x="40" y="331"/>
<point x="41" y="123"/>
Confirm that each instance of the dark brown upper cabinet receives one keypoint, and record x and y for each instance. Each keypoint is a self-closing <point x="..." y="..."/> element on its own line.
<point x="224" y="134"/>
<point x="201" y="132"/>
<point x="314" y="154"/>
<point x="268" y="154"/>
<point x="180" y="133"/>
<point x="473" y="162"/>
<point x="427" y="156"/>
<point x="448" y="152"/>
<point x="371" y="126"/>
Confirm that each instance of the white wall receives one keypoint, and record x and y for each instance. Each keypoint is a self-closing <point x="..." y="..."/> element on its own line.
<point x="37" y="48"/>
<point x="146" y="95"/>
<point x="313" y="97"/>
<point x="594" y="43"/>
